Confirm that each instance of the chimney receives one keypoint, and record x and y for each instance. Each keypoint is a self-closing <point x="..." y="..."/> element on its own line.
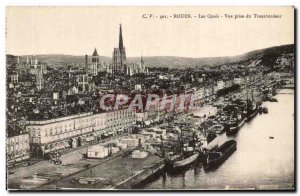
<point x="86" y="61"/>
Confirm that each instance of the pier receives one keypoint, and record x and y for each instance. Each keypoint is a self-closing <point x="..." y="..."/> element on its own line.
<point x="118" y="172"/>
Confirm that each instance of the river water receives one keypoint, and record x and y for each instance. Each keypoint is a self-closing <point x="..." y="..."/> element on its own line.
<point x="258" y="163"/>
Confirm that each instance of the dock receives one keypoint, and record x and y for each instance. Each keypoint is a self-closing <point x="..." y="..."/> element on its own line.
<point x="116" y="173"/>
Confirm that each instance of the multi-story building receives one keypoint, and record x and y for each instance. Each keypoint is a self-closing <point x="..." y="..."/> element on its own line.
<point x="60" y="133"/>
<point x="84" y="81"/>
<point x="76" y="130"/>
<point x="141" y="117"/>
<point x="118" y="121"/>
<point x="17" y="147"/>
<point x="199" y="93"/>
<point x="13" y="78"/>
<point x="239" y="81"/>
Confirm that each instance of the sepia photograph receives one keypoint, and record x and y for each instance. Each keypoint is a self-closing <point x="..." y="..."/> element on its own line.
<point x="111" y="98"/>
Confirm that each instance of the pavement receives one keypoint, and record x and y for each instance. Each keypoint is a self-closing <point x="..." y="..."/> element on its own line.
<point x="120" y="168"/>
<point x="43" y="167"/>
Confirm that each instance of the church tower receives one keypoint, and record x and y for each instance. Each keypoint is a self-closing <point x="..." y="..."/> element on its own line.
<point x="39" y="79"/>
<point x="119" y="57"/>
<point x="95" y="57"/>
<point x="95" y="62"/>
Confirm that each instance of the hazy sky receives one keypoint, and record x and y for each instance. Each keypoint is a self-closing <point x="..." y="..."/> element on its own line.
<point x="78" y="30"/>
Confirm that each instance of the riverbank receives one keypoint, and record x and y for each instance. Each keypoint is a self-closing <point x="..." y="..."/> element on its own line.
<point x="259" y="163"/>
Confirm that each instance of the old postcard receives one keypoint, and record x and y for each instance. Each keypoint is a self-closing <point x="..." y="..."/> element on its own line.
<point x="150" y="98"/>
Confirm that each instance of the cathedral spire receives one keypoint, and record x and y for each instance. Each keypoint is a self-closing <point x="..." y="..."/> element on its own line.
<point x="121" y="38"/>
<point x="95" y="52"/>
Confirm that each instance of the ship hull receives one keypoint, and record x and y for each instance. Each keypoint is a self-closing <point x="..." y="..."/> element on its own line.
<point x="251" y="115"/>
<point x="225" y="153"/>
<point x="233" y="129"/>
<point x="174" y="165"/>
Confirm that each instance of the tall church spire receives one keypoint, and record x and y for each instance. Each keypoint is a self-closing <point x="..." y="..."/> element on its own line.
<point x="119" y="57"/>
<point x="121" y="38"/>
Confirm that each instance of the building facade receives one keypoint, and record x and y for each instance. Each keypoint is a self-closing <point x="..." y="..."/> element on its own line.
<point x="31" y="66"/>
<point x="39" y="79"/>
<point x="17" y="148"/>
<point x="73" y="131"/>
<point x="56" y="134"/>
<point x="84" y="82"/>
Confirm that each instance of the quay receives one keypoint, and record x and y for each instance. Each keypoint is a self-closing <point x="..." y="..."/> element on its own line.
<point x="116" y="172"/>
<point x="142" y="176"/>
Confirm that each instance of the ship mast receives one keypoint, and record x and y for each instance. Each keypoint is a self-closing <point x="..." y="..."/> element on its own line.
<point x="181" y="141"/>
<point x="248" y="90"/>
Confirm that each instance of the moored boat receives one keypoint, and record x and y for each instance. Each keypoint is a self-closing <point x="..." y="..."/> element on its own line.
<point x="186" y="156"/>
<point x="252" y="111"/>
<point x="210" y="137"/>
<point x="234" y="125"/>
<point x="220" y="154"/>
<point x="273" y="100"/>
<point x="218" y="128"/>
<point x="184" y="162"/>
<point x="260" y="111"/>
<point x="265" y="110"/>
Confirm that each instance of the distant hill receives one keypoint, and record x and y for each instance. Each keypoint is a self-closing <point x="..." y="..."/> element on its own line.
<point x="267" y="55"/>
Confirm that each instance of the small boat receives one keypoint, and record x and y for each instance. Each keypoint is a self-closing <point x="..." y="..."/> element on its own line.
<point x="210" y="137"/>
<point x="273" y="100"/>
<point x="187" y="155"/>
<point x="234" y="125"/>
<point x="271" y="137"/>
<point x="218" y="128"/>
<point x="251" y="108"/>
<point x="265" y="110"/>
<point x="220" y="154"/>
<point x="186" y="161"/>
<point x="260" y="110"/>
<point x="252" y="111"/>
<point x="171" y="157"/>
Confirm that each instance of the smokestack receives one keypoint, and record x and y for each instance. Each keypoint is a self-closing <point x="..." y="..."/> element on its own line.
<point x="86" y="61"/>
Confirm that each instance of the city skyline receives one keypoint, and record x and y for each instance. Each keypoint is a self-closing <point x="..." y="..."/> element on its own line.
<point x="62" y="30"/>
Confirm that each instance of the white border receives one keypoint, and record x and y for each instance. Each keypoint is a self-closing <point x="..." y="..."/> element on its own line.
<point x="111" y="3"/>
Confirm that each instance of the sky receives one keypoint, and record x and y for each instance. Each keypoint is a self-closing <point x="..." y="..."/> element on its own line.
<point x="78" y="30"/>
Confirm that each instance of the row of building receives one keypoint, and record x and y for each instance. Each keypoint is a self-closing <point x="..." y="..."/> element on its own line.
<point x="63" y="115"/>
<point x="46" y="135"/>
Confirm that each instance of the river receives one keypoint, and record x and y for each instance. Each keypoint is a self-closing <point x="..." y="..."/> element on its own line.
<point x="258" y="163"/>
